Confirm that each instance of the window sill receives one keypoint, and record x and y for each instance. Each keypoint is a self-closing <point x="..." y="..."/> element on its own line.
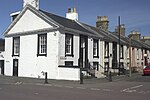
<point x="69" y="55"/>
<point x="95" y="56"/>
<point x="63" y="66"/>
<point x="15" y="55"/>
<point x="42" y="55"/>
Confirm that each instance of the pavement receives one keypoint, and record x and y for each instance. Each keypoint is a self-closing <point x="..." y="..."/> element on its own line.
<point x="136" y="77"/>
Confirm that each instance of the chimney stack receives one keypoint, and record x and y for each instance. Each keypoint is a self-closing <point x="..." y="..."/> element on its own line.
<point x="72" y="14"/>
<point x="102" y="22"/>
<point x="122" y="29"/>
<point x="34" y="3"/>
<point x="135" y="35"/>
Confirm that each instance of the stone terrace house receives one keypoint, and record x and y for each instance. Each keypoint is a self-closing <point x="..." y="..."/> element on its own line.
<point x="37" y="42"/>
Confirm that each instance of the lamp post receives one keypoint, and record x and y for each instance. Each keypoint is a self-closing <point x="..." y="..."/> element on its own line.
<point x="81" y="74"/>
<point x="119" y="41"/>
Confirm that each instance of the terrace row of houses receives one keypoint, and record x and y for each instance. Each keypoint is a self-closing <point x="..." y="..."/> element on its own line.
<point x="38" y="41"/>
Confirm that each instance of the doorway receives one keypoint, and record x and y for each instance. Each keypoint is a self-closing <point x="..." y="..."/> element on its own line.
<point x="2" y="67"/>
<point x="83" y="52"/>
<point x="15" y="67"/>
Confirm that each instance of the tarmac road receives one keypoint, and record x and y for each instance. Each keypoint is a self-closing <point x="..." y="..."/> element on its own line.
<point x="122" y="88"/>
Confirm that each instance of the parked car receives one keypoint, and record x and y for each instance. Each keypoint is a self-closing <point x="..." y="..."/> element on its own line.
<point x="146" y="70"/>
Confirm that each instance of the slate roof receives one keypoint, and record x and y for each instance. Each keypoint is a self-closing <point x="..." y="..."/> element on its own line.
<point x="83" y="28"/>
<point x="67" y="23"/>
<point x="107" y="36"/>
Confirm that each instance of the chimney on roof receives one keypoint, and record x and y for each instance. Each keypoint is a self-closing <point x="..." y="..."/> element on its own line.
<point x="122" y="29"/>
<point x="135" y="35"/>
<point x="102" y="22"/>
<point x="34" y="3"/>
<point x="72" y="14"/>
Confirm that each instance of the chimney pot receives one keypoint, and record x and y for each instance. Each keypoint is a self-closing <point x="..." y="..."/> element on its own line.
<point x="69" y="10"/>
<point x="74" y="10"/>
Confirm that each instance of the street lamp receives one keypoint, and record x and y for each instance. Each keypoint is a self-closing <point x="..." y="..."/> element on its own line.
<point x="119" y="41"/>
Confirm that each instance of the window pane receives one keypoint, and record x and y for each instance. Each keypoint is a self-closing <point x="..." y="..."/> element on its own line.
<point x="68" y="63"/>
<point x="42" y="43"/>
<point x="68" y="44"/>
<point x="16" y="45"/>
<point x="106" y="49"/>
<point x="95" y="48"/>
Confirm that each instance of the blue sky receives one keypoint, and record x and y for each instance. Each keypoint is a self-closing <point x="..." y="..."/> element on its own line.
<point x="135" y="14"/>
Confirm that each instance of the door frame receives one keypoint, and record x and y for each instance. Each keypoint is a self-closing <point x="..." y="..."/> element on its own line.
<point x="86" y="53"/>
<point x="2" y="67"/>
<point x="15" y="67"/>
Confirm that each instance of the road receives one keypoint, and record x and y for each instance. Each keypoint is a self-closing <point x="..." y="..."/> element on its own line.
<point x="118" y="90"/>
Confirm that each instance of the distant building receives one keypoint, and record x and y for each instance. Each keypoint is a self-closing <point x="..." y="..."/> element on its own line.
<point x="146" y="39"/>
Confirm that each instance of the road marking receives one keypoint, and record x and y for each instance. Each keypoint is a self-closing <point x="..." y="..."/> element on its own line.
<point x="80" y="87"/>
<point x="58" y="85"/>
<point x="36" y="93"/>
<point x="68" y="86"/>
<point x="130" y="90"/>
<point x="95" y="89"/>
<point x="48" y="84"/>
<point x="136" y="87"/>
<point x="107" y="90"/>
<point x="18" y="83"/>
<point x="141" y="92"/>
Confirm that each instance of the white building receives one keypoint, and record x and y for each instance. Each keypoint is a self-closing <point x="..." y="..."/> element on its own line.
<point x="37" y="42"/>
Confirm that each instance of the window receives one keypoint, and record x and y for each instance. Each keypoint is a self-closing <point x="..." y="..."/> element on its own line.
<point x="69" y="63"/>
<point x="106" y="49"/>
<point x="106" y="67"/>
<point x="42" y="44"/>
<point x="69" y="45"/>
<point x="137" y="55"/>
<point x="128" y="51"/>
<point x="95" y="65"/>
<point x="121" y="51"/>
<point x="95" y="48"/>
<point x="142" y="55"/>
<point x="16" y="46"/>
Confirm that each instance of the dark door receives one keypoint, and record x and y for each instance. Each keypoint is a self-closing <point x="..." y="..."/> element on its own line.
<point x="83" y="54"/>
<point x="114" y="58"/>
<point x="2" y="66"/>
<point x="15" y="67"/>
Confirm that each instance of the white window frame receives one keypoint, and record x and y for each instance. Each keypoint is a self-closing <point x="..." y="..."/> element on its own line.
<point x="42" y="44"/>
<point x="95" y="48"/>
<point x="68" y="44"/>
<point x="16" y="46"/>
<point x="106" y="49"/>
